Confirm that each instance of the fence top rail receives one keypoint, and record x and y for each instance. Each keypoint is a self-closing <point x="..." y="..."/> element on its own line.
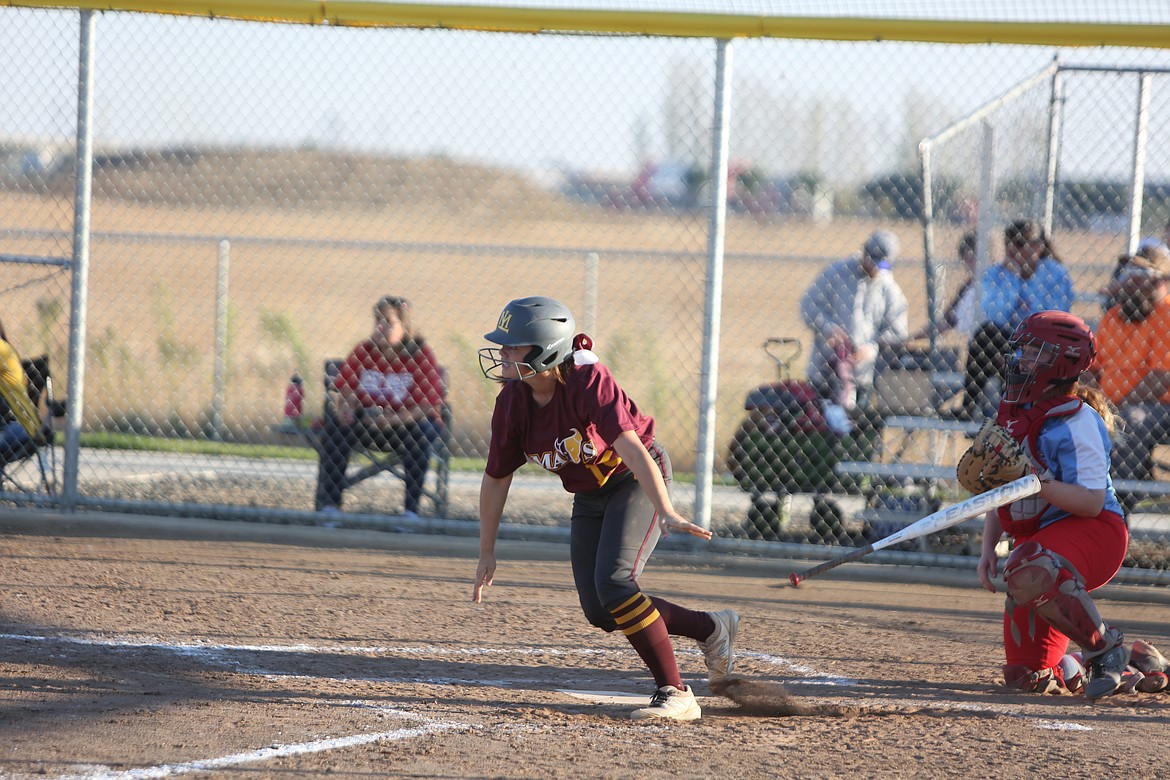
<point x="1117" y="69"/>
<point x="63" y="262"/>
<point x="411" y="246"/>
<point x="1150" y="33"/>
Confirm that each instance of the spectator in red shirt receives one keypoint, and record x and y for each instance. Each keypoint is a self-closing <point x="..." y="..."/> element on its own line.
<point x="389" y="397"/>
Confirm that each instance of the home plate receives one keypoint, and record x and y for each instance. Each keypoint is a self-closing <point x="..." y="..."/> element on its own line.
<point x="608" y="697"/>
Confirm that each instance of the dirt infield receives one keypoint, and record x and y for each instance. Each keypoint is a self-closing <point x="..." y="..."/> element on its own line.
<point x="132" y="647"/>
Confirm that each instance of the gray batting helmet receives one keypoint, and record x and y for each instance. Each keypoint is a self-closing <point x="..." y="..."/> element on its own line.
<point x="544" y="323"/>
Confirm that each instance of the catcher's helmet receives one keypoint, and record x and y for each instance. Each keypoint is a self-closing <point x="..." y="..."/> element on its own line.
<point x="1048" y="347"/>
<point x="542" y="322"/>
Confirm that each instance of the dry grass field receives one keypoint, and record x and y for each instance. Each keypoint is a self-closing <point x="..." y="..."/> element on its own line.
<point x="457" y="241"/>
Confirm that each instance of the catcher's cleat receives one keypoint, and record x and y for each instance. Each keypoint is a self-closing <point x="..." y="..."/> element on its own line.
<point x="1145" y="658"/>
<point x="1072" y="672"/>
<point x="1153" y="682"/>
<point x="1024" y="679"/>
<point x="670" y="703"/>
<point x="1131" y="680"/>
<point x="718" y="648"/>
<point x="1106" y="667"/>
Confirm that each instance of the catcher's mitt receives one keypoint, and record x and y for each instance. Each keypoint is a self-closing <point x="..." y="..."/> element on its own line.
<point x="993" y="459"/>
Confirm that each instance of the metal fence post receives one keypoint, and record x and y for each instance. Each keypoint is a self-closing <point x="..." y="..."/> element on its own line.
<point x="219" y="379"/>
<point x="988" y="209"/>
<point x="930" y="267"/>
<point x="592" y="272"/>
<point x="1137" y="184"/>
<point x="705" y="450"/>
<point x="1055" y="116"/>
<point x="83" y="190"/>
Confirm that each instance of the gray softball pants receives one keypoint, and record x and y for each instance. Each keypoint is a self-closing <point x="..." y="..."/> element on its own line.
<point x="613" y="532"/>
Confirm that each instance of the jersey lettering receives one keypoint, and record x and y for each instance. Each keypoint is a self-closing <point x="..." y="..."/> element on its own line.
<point x="386" y="387"/>
<point x="549" y="461"/>
<point x="574" y="448"/>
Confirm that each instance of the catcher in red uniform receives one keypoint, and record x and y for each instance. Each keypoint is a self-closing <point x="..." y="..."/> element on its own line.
<point x="559" y="408"/>
<point x="1070" y="538"/>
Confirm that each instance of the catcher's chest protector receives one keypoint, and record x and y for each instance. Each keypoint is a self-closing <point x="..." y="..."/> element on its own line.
<point x="1024" y="425"/>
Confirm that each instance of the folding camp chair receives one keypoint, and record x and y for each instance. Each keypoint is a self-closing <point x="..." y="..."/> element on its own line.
<point x="32" y="467"/>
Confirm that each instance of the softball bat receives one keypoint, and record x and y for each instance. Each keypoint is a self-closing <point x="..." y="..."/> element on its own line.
<point x="933" y="523"/>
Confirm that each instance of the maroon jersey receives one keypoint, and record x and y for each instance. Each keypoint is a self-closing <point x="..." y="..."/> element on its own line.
<point x="401" y="382"/>
<point x="572" y="436"/>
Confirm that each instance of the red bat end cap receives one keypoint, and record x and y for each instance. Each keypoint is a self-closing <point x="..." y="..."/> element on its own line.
<point x="794" y="578"/>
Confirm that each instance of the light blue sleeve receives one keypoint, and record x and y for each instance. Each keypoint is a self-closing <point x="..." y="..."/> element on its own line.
<point x="1077" y="450"/>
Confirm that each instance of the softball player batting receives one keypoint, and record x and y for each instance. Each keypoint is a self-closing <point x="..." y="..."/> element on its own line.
<point x="562" y="409"/>
<point x="1070" y="538"/>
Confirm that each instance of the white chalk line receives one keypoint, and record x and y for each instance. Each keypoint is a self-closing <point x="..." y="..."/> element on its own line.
<point x="811" y="676"/>
<point x="213" y="654"/>
<point x="280" y="751"/>
<point x="196" y="649"/>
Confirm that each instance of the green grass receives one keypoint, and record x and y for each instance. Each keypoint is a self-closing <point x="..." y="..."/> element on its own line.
<point x="111" y="440"/>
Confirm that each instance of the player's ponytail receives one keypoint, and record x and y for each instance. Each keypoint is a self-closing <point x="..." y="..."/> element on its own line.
<point x="581" y="355"/>
<point x="1096" y="399"/>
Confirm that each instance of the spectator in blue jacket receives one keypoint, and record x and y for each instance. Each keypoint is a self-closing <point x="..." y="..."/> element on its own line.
<point x="1031" y="278"/>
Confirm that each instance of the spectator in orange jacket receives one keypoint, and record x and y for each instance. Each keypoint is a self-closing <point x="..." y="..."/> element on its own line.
<point x="1133" y="366"/>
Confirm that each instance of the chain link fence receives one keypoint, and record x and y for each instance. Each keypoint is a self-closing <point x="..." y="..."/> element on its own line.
<point x="258" y="187"/>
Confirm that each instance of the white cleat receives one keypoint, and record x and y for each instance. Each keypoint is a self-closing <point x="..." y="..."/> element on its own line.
<point x="670" y="703"/>
<point x="718" y="649"/>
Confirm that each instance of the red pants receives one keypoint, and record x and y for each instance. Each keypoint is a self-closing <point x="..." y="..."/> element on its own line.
<point x="1096" y="547"/>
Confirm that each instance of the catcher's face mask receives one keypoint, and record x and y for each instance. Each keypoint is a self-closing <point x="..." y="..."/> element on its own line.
<point x="1031" y="368"/>
<point x="1049" y="347"/>
<point x="1025" y="363"/>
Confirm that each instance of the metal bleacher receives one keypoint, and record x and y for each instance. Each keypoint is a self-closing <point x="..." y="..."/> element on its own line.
<point x="921" y="472"/>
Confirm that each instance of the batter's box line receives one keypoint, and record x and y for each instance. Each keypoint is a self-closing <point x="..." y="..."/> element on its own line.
<point x="218" y="656"/>
<point x="217" y="653"/>
<point x="300" y="647"/>
<point x="428" y="727"/>
<point x="810" y="676"/>
<point x="211" y="650"/>
<point x="1005" y="710"/>
<point x="270" y="753"/>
